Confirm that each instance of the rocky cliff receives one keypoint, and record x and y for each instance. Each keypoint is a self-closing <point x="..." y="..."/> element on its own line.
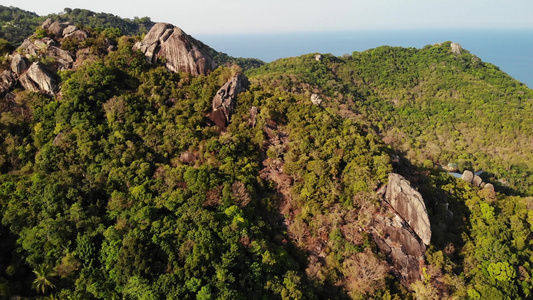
<point x="179" y="51"/>
<point x="226" y="98"/>
<point x="402" y="230"/>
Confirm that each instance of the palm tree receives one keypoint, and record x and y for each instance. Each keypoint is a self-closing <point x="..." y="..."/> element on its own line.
<point x="42" y="283"/>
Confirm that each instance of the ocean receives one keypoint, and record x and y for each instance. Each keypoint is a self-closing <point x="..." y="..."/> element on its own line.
<point x="509" y="49"/>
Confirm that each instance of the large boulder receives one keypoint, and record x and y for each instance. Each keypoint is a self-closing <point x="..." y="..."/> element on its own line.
<point x="57" y="28"/>
<point x="225" y="99"/>
<point x="477" y="181"/>
<point x="402" y="230"/>
<point x="456" y="48"/>
<point x="8" y="79"/>
<point x="181" y="52"/>
<point x="468" y="176"/>
<point x="395" y="239"/>
<point x="63" y="58"/>
<point x="79" y="35"/>
<point x="37" y="78"/>
<point x="409" y="205"/>
<point x="18" y="63"/>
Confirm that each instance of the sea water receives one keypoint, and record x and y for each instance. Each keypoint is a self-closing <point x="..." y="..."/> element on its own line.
<point x="509" y="49"/>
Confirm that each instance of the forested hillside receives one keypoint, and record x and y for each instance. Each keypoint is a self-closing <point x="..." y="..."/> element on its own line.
<point x="122" y="179"/>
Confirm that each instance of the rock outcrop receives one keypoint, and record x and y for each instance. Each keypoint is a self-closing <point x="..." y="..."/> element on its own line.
<point x="402" y="230"/>
<point x="253" y="116"/>
<point x="18" y="64"/>
<point x="225" y="99"/>
<point x="181" y="52"/>
<point x="37" y="78"/>
<point x="63" y="59"/>
<point x="456" y="48"/>
<point x="477" y="181"/>
<point x="8" y="79"/>
<point x="468" y="176"/>
<point x="315" y="99"/>
<point x="57" y="28"/>
<point x="408" y="203"/>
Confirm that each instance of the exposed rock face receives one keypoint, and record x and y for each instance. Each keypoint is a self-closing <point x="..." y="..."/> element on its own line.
<point x="318" y="57"/>
<point x="253" y="116"/>
<point x="79" y="35"/>
<point x="57" y="28"/>
<point x="477" y="181"/>
<point x="47" y="23"/>
<point x="406" y="252"/>
<point x="8" y="79"/>
<point x="69" y="29"/>
<point x="315" y="99"/>
<point x="37" y="78"/>
<point x="181" y="52"/>
<point x="408" y="203"/>
<point x="224" y="101"/>
<point x="18" y="63"/>
<point x="468" y="176"/>
<point x="402" y="231"/>
<point x="489" y="187"/>
<point x="49" y="47"/>
<point x="456" y="48"/>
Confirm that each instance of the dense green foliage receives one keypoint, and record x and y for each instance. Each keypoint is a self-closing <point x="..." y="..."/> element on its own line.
<point x="120" y="187"/>
<point x="430" y="103"/>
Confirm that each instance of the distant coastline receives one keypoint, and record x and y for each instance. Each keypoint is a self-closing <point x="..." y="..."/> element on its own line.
<point x="509" y="49"/>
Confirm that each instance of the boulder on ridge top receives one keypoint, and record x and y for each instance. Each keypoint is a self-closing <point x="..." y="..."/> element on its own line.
<point x="180" y="51"/>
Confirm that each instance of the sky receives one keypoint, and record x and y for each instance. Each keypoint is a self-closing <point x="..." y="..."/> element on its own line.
<point x="252" y="16"/>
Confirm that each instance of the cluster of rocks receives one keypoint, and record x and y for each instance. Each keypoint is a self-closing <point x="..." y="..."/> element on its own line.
<point x="403" y="231"/>
<point x="164" y="42"/>
<point x="179" y="51"/>
<point x="474" y="179"/>
<point x="36" y="76"/>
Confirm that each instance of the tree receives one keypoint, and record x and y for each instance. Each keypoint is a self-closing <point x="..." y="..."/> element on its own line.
<point x="43" y="280"/>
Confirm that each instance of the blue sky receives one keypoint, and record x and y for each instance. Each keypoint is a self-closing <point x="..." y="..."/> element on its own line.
<point x="252" y="16"/>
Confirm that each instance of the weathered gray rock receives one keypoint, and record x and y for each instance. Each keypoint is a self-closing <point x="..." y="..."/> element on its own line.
<point x="477" y="181"/>
<point x="29" y="48"/>
<point x="49" y="47"/>
<point x="395" y="239"/>
<point x="57" y="28"/>
<point x="68" y="30"/>
<point x="47" y="23"/>
<point x="315" y="99"/>
<point x="489" y="187"/>
<point x="79" y="35"/>
<point x="468" y="176"/>
<point x="409" y="205"/>
<point x="18" y="63"/>
<point x="37" y="78"/>
<point x="8" y="79"/>
<point x="253" y="115"/>
<point x="401" y="229"/>
<point x="225" y="99"/>
<point x="181" y="52"/>
<point x="456" y="48"/>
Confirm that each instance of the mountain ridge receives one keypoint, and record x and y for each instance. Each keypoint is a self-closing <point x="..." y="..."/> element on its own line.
<point x="320" y="180"/>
